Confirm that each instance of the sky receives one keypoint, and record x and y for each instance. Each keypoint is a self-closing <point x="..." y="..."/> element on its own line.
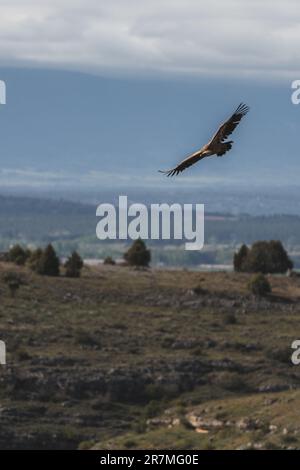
<point x="101" y="91"/>
<point x="159" y="37"/>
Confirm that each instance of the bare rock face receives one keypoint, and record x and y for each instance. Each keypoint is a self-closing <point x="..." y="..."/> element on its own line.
<point x="248" y="424"/>
<point x="163" y="421"/>
<point x="197" y="421"/>
<point x="271" y="388"/>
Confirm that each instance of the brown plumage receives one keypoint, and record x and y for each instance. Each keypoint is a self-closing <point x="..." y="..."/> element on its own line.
<point x="216" y="146"/>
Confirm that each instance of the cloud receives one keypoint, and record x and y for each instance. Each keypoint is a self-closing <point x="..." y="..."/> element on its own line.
<point x="190" y="37"/>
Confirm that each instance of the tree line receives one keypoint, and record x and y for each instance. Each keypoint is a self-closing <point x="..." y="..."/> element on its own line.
<point x="46" y="261"/>
<point x="263" y="257"/>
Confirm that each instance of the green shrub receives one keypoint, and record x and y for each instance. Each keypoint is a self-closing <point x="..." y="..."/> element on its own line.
<point x="259" y="285"/>
<point x="130" y="443"/>
<point x="87" y="339"/>
<point x="138" y="254"/>
<point x="140" y="426"/>
<point x="263" y="257"/>
<point x="229" y="319"/>
<point x="44" y="262"/>
<point x="22" y="355"/>
<point x="18" y="255"/>
<point x="48" y="264"/>
<point x="279" y="354"/>
<point x="13" y="281"/>
<point x="86" y="445"/>
<point x="153" y="408"/>
<point x="231" y="381"/>
<point x="109" y="260"/>
<point x="240" y="257"/>
<point x="34" y="261"/>
<point x="74" y="265"/>
<point x="198" y="290"/>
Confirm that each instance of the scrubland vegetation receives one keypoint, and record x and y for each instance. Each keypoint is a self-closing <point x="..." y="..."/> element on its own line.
<point x="143" y="358"/>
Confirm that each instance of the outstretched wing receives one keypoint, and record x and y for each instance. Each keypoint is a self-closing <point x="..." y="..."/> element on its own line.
<point x="195" y="157"/>
<point x="228" y="127"/>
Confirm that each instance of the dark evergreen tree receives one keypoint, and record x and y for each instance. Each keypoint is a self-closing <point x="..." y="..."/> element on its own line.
<point x="18" y="255"/>
<point x="263" y="257"/>
<point x="109" y="260"/>
<point x="259" y="285"/>
<point x="49" y="262"/>
<point x="74" y="265"/>
<point x="138" y="254"/>
<point x="13" y="281"/>
<point x="34" y="261"/>
<point x="240" y="257"/>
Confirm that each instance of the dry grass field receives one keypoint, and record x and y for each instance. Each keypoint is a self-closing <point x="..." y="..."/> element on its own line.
<point x="125" y="358"/>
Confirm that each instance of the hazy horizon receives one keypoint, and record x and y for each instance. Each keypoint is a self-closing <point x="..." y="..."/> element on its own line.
<point x="64" y="130"/>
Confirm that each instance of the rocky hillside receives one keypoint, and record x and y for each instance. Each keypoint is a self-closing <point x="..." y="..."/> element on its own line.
<point x="154" y="359"/>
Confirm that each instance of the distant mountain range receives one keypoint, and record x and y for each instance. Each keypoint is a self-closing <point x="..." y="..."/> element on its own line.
<point x="67" y="130"/>
<point x="31" y="219"/>
<point x="72" y="226"/>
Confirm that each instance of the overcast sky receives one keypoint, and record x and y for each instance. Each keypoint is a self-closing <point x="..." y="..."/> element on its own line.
<point x="191" y="37"/>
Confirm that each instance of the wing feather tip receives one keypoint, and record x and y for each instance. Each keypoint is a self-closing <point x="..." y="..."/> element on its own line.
<point x="242" y="109"/>
<point x="167" y="172"/>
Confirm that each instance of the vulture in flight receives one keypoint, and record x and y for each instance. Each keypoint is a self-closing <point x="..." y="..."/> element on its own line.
<point x="216" y="146"/>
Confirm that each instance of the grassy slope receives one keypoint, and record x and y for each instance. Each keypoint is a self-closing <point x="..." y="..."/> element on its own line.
<point x="276" y="420"/>
<point x="117" y="318"/>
